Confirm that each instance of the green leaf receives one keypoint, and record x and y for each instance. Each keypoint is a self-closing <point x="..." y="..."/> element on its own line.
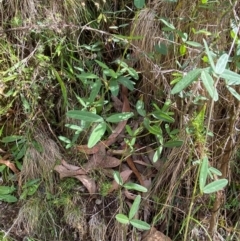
<point x="12" y="138"/>
<point x="97" y="134"/>
<point x="210" y="59"/>
<point x="186" y="81"/>
<point x="84" y="76"/>
<point x="140" y="108"/>
<point x="215" y="171"/>
<point x="84" y="116"/>
<point x="126" y="81"/>
<point x="139" y="3"/>
<point x="234" y="92"/>
<point x="95" y="88"/>
<point x="116" y="118"/>
<point x="160" y="115"/>
<point x="194" y="44"/>
<point x="231" y="77"/>
<point x="8" y="198"/>
<point x="161" y="48"/>
<point x="6" y="190"/>
<point x="134" y="186"/>
<point x="221" y="64"/>
<point x="118" y="178"/>
<point x="135" y="207"/>
<point x="63" y="87"/>
<point x="176" y="143"/>
<point x="64" y="139"/>
<point x="203" y="173"/>
<point x="140" y="224"/>
<point x="101" y="64"/>
<point x="215" y="186"/>
<point x="209" y="85"/>
<point x="114" y="87"/>
<point x="121" y="218"/>
<point x="157" y="154"/>
<point x="167" y="24"/>
<point x="183" y="49"/>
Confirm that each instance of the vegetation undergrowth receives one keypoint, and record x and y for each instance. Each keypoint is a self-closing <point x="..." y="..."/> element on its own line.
<point x="119" y="117"/>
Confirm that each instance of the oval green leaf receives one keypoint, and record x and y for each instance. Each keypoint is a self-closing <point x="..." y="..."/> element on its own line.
<point x="117" y="177"/>
<point x="167" y="24"/>
<point x="116" y="118"/>
<point x="209" y="85"/>
<point x="215" y="186"/>
<point x="194" y="44"/>
<point x="157" y="154"/>
<point x="215" y="171"/>
<point x="234" y="92"/>
<point x="139" y="3"/>
<point x="12" y="138"/>
<point x="134" y="186"/>
<point x="176" y="143"/>
<point x="97" y="134"/>
<point x="231" y="77"/>
<point x="140" y="108"/>
<point x="84" y="116"/>
<point x="221" y="64"/>
<point x="6" y="190"/>
<point x="140" y="224"/>
<point x="203" y="173"/>
<point x="121" y="218"/>
<point x="134" y="207"/>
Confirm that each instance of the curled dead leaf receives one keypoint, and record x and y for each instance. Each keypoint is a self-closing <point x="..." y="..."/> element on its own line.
<point x="88" y="182"/>
<point x="10" y="165"/>
<point x="64" y="172"/>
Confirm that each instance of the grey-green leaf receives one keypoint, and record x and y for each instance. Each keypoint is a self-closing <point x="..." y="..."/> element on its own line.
<point x="186" y="81"/>
<point x="117" y="177"/>
<point x="140" y="224"/>
<point x="221" y="64"/>
<point x="231" y="77"/>
<point x="203" y="173"/>
<point x="167" y="24"/>
<point x="234" y="92"/>
<point x="209" y="85"/>
<point x="121" y="218"/>
<point x="135" y="186"/>
<point x="215" y="186"/>
<point x="209" y="55"/>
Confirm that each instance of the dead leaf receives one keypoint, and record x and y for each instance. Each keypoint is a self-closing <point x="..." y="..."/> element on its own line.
<point x="10" y="165"/>
<point x="155" y="235"/>
<point x="64" y="172"/>
<point x="129" y="195"/>
<point x="70" y="166"/>
<point x="88" y="182"/>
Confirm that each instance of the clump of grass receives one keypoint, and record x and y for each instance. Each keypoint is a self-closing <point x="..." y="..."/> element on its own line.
<point x="40" y="159"/>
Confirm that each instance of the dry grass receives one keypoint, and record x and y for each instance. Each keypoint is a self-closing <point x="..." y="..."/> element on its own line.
<point x="39" y="162"/>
